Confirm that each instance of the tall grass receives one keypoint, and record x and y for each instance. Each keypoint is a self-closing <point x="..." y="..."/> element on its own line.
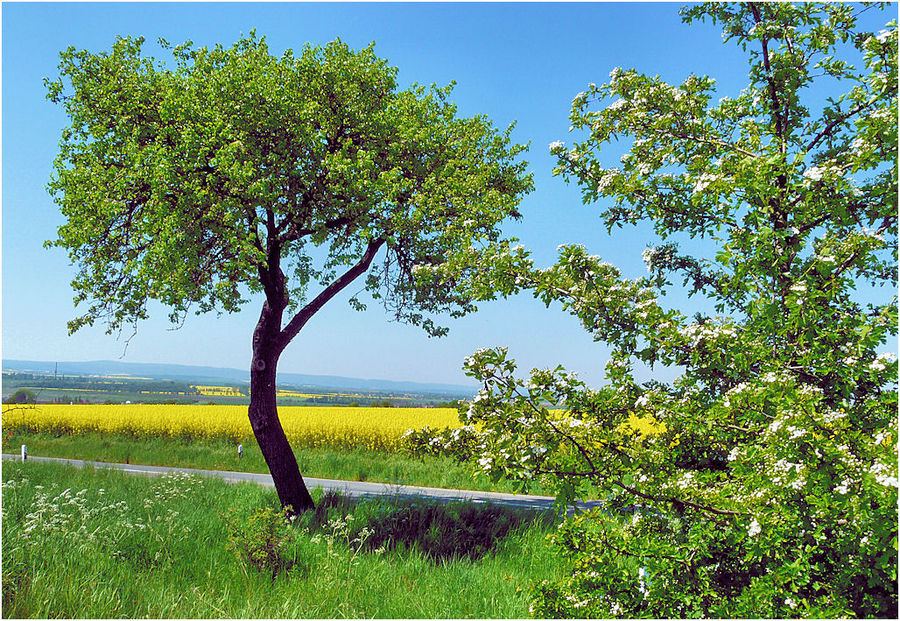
<point x="102" y="544"/>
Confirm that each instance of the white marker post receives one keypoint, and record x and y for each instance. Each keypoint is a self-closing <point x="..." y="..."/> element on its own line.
<point x="24" y="452"/>
<point x="240" y="450"/>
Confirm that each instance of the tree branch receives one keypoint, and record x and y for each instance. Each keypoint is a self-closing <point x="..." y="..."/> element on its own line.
<point x="299" y="320"/>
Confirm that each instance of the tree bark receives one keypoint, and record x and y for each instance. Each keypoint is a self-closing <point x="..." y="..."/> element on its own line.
<point x="263" y="413"/>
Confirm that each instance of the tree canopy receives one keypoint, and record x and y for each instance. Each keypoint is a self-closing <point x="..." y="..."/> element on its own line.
<point x="183" y="184"/>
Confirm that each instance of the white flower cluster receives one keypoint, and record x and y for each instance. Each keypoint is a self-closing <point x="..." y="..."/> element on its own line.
<point x="607" y="177"/>
<point x="775" y="378"/>
<point x="883" y="476"/>
<point x="754" y="529"/>
<point x="697" y="332"/>
<point x="703" y="181"/>
<point x="817" y="173"/>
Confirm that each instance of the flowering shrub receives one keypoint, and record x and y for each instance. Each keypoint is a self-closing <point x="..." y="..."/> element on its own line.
<point x="767" y="486"/>
<point x="460" y="443"/>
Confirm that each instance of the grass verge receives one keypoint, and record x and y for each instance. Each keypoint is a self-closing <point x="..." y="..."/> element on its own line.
<point x="102" y="544"/>
<point x="320" y="462"/>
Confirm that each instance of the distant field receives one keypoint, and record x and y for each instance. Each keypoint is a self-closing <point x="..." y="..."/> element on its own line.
<point x="83" y="389"/>
<point x="351" y="427"/>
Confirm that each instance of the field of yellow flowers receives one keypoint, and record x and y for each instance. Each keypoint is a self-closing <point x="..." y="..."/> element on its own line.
<point x="350" y="427"/>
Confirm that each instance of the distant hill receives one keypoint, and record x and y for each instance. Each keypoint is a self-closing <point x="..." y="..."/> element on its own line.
<point x="201" y="374"/>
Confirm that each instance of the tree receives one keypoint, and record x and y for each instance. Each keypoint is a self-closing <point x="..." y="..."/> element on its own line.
<point x="763" y="480"/>
<point x="238" y="172"/>
<point x="23" y="395"/>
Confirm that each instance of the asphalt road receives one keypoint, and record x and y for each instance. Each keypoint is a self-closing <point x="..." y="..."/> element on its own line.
<point x="356" y="489"/>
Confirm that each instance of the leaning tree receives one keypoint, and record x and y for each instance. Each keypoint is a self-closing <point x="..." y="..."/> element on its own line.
<point x="233" y="172"/>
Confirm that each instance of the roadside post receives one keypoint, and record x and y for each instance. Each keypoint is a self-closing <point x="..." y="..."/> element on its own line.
<point x="24" y="452"/>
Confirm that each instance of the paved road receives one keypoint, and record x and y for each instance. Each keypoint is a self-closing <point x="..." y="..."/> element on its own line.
<point x="358" y="489"/>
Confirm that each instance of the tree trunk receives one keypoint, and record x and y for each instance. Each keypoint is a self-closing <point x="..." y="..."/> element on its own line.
<point x="263" y="413"/>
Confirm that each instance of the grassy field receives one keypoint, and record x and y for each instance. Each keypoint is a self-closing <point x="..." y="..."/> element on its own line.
<point x="102" y="544"/>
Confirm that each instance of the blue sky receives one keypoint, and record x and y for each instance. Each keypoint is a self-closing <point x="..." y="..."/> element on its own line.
<point x="511" y="62"/>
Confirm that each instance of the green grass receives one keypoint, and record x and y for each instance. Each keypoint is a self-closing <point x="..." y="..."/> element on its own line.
<point x="103" y="544"/>
<point x="327" y="463"/>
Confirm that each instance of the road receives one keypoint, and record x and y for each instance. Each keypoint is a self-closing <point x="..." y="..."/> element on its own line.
<point x="356" y="489"/>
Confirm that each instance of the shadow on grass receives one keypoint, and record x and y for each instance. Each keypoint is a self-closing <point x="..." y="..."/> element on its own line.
<point x="441" y="531"/>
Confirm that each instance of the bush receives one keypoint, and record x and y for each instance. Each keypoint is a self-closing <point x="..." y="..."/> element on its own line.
<point x="260" y="539"/>
<point x="23" y="396"/>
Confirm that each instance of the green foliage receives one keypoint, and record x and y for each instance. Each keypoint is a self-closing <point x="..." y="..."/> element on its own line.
<point x="260" y="539"/>
<point x="236" y="170"/>
<point x="23" y="396"/>
<point x="771" y="490"/>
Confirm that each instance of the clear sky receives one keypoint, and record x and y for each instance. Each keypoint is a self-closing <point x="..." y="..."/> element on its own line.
<point x="511" y="62"/>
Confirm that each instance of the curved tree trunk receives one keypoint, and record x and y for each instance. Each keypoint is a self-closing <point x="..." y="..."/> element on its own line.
<point x="264" y="420"/>
<point x="269" y="340"/>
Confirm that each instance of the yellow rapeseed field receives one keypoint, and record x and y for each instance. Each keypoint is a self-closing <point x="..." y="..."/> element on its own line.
<point x="344" y="427"/>
<point x="218" y="391"/>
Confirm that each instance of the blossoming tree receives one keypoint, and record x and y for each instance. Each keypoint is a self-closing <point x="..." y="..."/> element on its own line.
<point x="762" y="481"/>
<point x="239" y="172"/>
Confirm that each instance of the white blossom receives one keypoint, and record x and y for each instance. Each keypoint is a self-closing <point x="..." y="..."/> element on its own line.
<point x="814" y="174"/>
<point x="877" y="365"/>
<point x="703" y="182"/>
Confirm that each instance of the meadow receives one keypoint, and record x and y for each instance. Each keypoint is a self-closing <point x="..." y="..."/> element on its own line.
<point x="102" y="544"/>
